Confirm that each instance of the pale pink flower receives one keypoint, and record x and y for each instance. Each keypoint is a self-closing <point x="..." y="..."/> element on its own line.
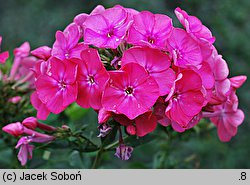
<point x="226" y="117"/>
<point x="150" y="29"/>
<point x="184" y="50"/>
<point x="130" y="91"/>
<point x="92" y="78"/>
<point x="25" y="151"/>
<point x="155" y="62"/>
<point x="58" y="89"/>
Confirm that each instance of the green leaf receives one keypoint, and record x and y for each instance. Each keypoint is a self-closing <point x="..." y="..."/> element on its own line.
<point x="75" y="112"/>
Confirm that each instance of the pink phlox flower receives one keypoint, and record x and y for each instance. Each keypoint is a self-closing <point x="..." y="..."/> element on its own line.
<point x="222" y="84"/>
<point x="4" y="55"/>
<point x="25" y="151"/>
<point x="107" y="29"/>
<point x="58" y="89"/>
<point x="226" y="117"/>
<point x="43" y="53"/>
<point x="194" y="27"/>
<point x="184" y="50"/>
<point x="66" y="45"/>
<point x="130" y="91"/>
<point x="92" y="78"/>
<point x="186" y="98"/>
<point x="23" y="65"/>
<point x="80" y="19"/>
<point x="155" y="62"/>
<point x="150" y="29"/>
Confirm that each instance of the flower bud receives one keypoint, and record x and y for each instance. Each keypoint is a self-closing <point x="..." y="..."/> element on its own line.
<point x="30" y="122"/>
<point x="15" y="129"/>
<point x="131" y="130"/>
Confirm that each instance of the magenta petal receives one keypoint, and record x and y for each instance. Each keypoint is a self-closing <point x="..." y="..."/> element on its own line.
<point x="55" y="105"/>
<point x="223" y="134"/>
<point x="42" y="110"/>
<point x="72" y="35"/>
<point x="23" y="155"/>
<point x="43" y="52"/>
<point x="191" y="102"/>
<point x="83" y="97"/>
<point x="57" y="68"/>
<point x="103" y="115"/>
<point x="47" y="87"/>
<point x="189" y="81"/>
<point x="145" y="124"/>
<point x="165" y="80"/>
<point x="235" y="118"/>
<point x="177" y="127"/>
<point x="91" y="36"/>
<point x="70" y="94"/>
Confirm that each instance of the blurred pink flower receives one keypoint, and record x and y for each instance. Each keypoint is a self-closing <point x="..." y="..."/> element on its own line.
<point x="4" y="55"/>
<point x="15" y="99"/>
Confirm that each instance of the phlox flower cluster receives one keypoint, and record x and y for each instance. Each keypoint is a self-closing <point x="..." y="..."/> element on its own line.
<point x="139" y="70"/>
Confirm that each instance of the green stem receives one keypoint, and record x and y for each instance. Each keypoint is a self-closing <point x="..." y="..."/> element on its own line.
<point x="114" y="144"/>
<point x="98" y="158"/>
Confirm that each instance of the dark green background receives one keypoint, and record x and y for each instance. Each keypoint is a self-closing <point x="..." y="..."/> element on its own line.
<point x="36" y="21"/>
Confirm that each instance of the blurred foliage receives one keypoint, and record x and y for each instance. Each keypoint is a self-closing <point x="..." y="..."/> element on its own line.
<point x="37" y="21"/>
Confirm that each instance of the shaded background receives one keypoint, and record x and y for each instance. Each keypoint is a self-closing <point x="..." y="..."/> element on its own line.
<point x="36" y="21"/>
